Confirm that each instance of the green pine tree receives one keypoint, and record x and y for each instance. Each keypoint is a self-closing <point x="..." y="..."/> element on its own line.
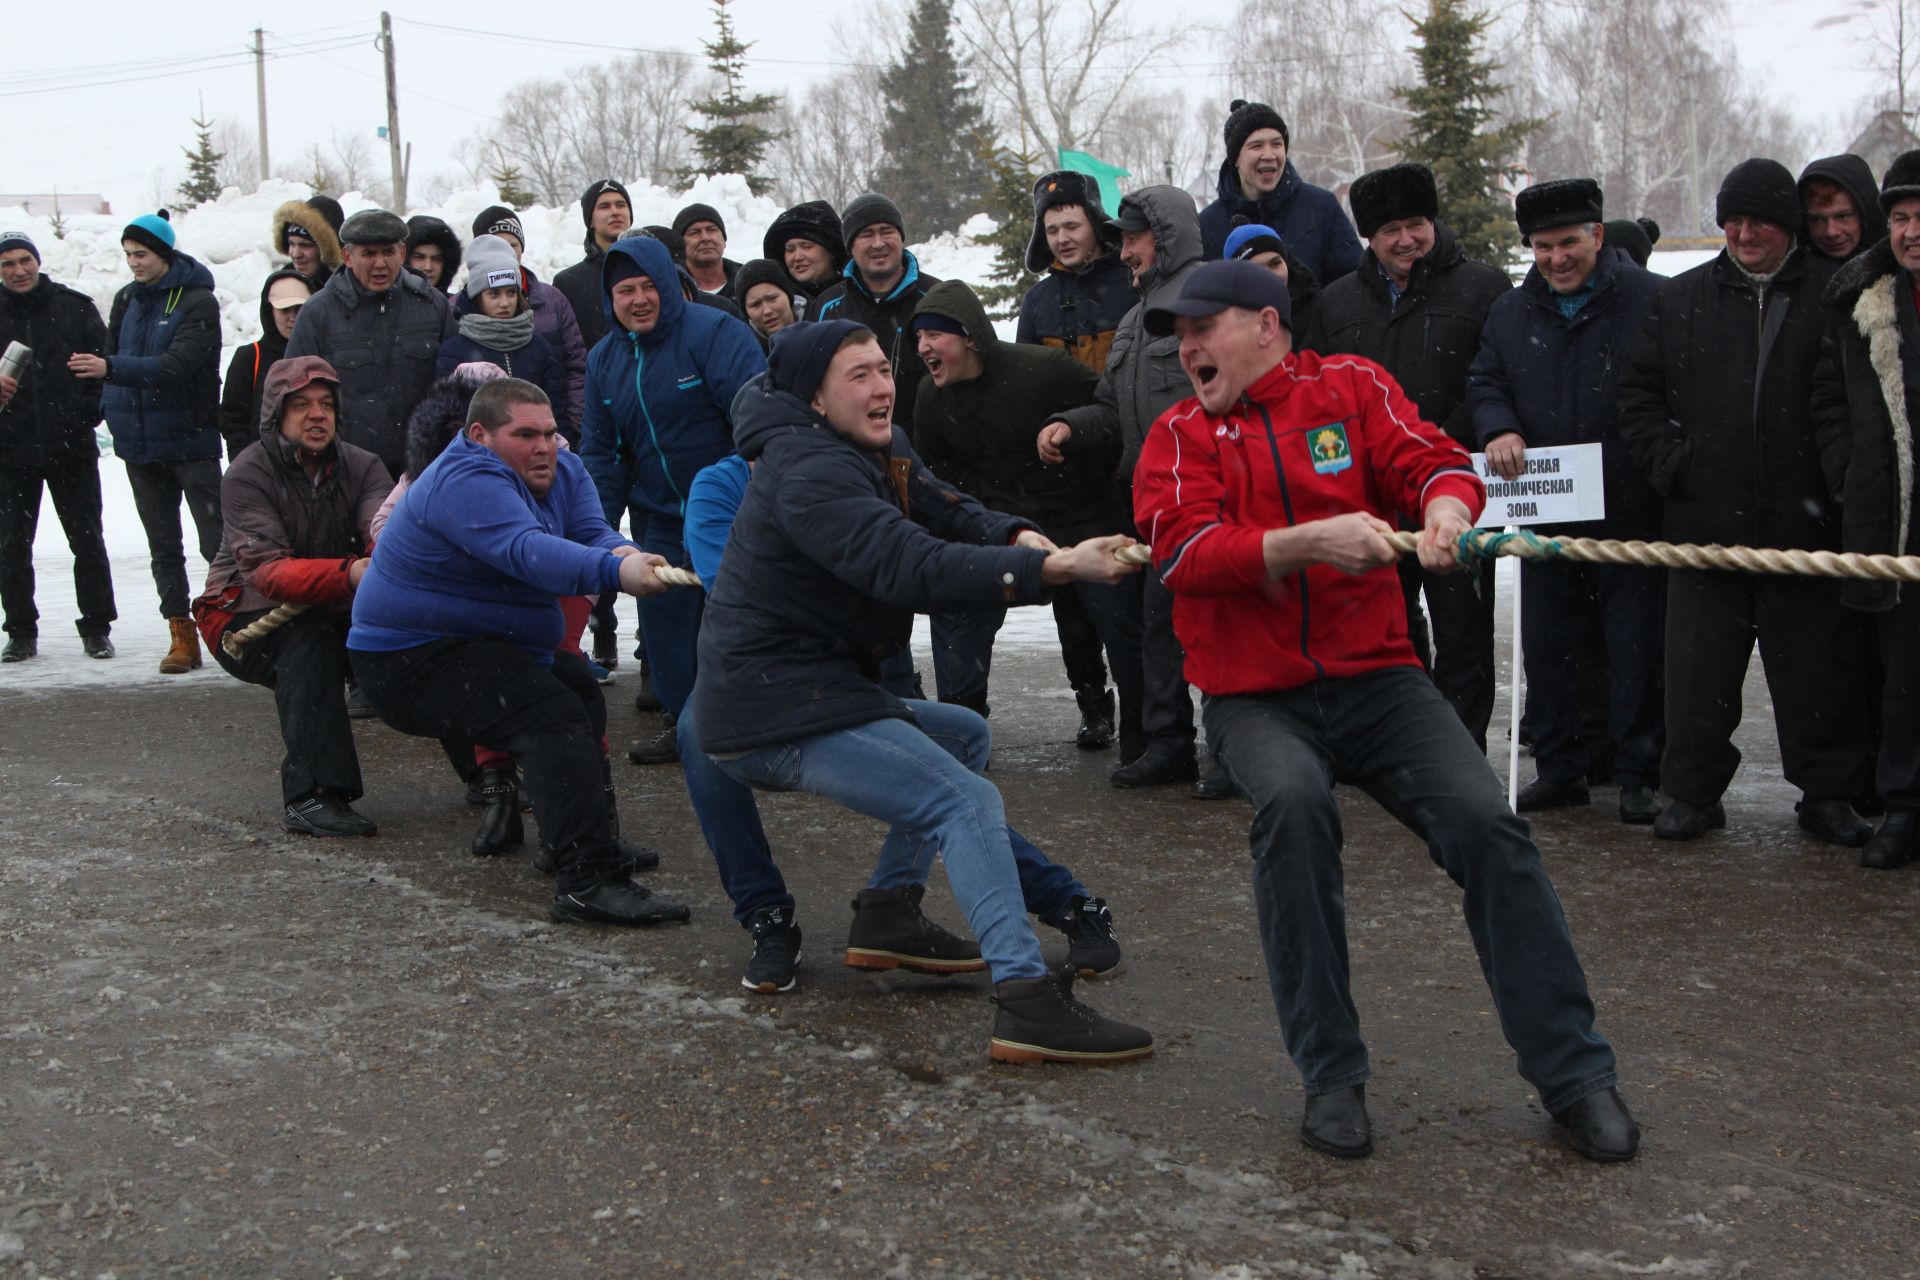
<point x="203" y="164"/>
<point x="936" y="141"/>
<point x="510" y="183"/>
<point x="735" y="137"/>
<point x="1450" y="132"/>
<point x="1009" y="199"/>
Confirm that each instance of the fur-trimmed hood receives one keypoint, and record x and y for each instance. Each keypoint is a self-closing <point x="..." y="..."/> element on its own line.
<point x="1865" y="295"/>
<point x="301" y="214"/>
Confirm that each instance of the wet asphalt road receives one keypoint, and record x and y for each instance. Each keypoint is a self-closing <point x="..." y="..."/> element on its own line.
<point x="225" y="1051"/>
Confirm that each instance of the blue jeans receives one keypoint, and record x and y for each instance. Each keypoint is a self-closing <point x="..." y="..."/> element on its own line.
<point x="898" y="771"/>
<point x="670" y="621"/>
<point x="730" y="821"/>
<point x="1393" y="734"/>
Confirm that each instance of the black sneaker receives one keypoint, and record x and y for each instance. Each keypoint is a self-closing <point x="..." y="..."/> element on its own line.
<point x="620" y="902"/>
<point x="1093" y="948"/>
<point x="96" y="646"/>
<point x="325" y="813"/>
<point x="776" y="952"/>
<point x="606" y="648"/>
<point x="664" y="749"/>
<point x="1040" y="1021"/>
<point x="891" y="932"/>
<point x="20" y="648"/>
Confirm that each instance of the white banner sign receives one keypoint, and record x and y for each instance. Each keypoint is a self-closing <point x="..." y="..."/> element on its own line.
<point x="1561" y="485"/>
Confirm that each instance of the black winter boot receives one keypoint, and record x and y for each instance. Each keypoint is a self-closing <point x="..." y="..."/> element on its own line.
<point x="1040" y="1021"/>
<point x="1096" y="718"/>
<point x="891" y="932"/>
<point x="500" y="826"/>
<point x="633" y="857"/>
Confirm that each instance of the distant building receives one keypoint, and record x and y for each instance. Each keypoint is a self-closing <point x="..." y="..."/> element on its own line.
<point x="46" y="203"/>
<point x="1883" y="139"/>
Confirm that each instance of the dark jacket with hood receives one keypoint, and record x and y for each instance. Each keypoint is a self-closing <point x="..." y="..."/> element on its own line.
<point x="579" y="284"/>
<point x="48" y="425"/>
<point x="288" y="538"/>
<point x="162" y="398"/>
<point x="425" y="229"/>
<point x="246" y="378"/>
<point x="383" y="347"/>
<point x="978" y="435"/>
<point x="553" y="320"/>
<point x="321" y="228"/>
<point x="1865" y="391"/>
<point x="835" y="548"/>
<point x="1852" y="175"/>
<point x="1716" y="404"/>
<point x="538" y="362"/>
<point x="887" y="317"/>
<point x="1143" y="377"/>
<point x="1308" y="218"/>
<point x="1078" y="311"/>
<point x="1427" y="340"/>
<point x="659" y="404"/>
<point x="1556" y="381"/>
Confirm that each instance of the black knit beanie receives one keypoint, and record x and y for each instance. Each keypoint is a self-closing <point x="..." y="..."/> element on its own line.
<point x="1760" y="188"/>
<point x="1902" y="180"/>
<point x="869" y="210"/>
<point x="592" y="194"/>
<point x="761" y="271"/>
<point x="699" y="213"/>
<point x="498" y="220"/>
<point x="1636" y="236"/>
<point x="1243" y="118"/>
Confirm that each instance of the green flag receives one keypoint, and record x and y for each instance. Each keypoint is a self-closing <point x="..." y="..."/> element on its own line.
<point x="1107" y="175"/>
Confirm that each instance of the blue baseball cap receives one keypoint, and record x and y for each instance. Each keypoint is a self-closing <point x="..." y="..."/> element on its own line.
<point x="1252" y="238"/>
<point x="1220" y="285"/>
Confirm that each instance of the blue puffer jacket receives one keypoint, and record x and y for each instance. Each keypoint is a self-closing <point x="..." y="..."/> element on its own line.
<point x="1308" y="218"/>
<point x="835" y="548"/>
<point x="657" y="407"/>
<point x="162" y="398"/>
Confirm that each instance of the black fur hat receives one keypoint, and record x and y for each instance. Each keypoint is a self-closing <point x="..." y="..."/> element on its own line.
<point x="1902" y="180"/>
<point x="1065" y="187"/>
<point x="1562" y="203"/>
<point x="1390" y="194"/>
<point x="811" y="220"/>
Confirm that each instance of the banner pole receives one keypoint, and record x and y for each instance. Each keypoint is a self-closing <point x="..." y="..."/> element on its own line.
<point x="1514" y="698"/>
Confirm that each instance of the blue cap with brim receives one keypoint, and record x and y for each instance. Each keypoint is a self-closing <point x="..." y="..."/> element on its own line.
<point x="1220" y="285"/>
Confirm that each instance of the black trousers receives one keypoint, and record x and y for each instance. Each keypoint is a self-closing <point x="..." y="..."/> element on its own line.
<point x="1462" y="665"/>
<point x="76" y="500"/>
<point x="1816" y="655"/>
<point x="1898" y="773"/>
<point x="550" y="719"/>
<point x="1555" y="604"/>
<point x="1166" y="708"/>
<point x="158" y="488"/>
<point x="305" y="664"/>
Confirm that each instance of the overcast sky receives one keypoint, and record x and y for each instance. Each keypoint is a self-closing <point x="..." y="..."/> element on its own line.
<point x="99" y="94"/>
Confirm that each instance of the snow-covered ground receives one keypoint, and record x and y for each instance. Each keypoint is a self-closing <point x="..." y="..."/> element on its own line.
<point x="234" y="238"/>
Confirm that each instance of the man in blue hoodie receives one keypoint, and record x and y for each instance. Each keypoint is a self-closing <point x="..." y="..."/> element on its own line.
<point x="456" y="624"/>
<point x="1258" y="182"/>
<point x="660" y="390"/>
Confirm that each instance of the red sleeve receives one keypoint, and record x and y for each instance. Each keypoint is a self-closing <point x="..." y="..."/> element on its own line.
<point x="1413" y="461"/>
<point x="1180" y="508"/>
<point x="292" y="581"/>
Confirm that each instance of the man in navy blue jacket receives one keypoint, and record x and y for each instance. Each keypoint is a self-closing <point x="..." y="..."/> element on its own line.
<point x="1259" y="183"/>
<point x="660" y="388"/>
<point x="456" y="621"/>
<point x="842" y="536"/>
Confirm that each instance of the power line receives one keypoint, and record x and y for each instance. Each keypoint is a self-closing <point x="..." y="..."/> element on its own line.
<point x="199" y="66"/>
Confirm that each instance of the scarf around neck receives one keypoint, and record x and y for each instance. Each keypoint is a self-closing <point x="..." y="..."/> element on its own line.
<point x="495" y="334"/>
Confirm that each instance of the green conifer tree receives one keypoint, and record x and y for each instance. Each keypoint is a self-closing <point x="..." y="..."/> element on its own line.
<point x="1449" y="131"/>
<point x="936" y="140"/>
<point x="735" y="138"/>
<point x="510" y="183"/>
<point x="1009" y="200"/>
<point x="203" y="165"/>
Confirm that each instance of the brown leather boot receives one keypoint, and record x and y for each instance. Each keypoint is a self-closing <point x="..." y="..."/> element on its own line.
<point x="184" y="656"/>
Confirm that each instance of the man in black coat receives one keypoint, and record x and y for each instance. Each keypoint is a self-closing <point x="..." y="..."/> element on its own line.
<point x="1416" y="305"/>
<point x="1715" y="405"/>
<point x="882" y="285"/>
<point x="47" y="417"/>
<point x="608" y="212"/>
<point x="1867" y="379"/>
<point x="705" y="233"/>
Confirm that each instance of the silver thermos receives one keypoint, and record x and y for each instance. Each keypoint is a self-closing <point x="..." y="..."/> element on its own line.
<point x="14" y="362"/>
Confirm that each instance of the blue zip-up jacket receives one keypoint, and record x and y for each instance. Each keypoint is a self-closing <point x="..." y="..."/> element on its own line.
<point x="470" y="552"/>
<point x="658" y="404"/>
<point x="712" y="503"/>
<point x="834" y="549"/>
<point x="891" y="319"/>
<point x="162" y="398"/>
<point x="1308" y="218"/>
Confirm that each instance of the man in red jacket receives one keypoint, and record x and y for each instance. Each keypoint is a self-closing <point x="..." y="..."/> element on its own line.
<point x="1266" y="497"/>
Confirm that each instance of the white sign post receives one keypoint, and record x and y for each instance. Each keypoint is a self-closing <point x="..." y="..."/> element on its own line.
<point x="1560" y="486"/>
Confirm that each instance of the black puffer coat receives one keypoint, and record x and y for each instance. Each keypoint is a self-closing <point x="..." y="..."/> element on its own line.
<point x="246" y="376"/>
<point x="48" y="425"/>
<point x="1716" y="406"/>
<point x="1078" y="311"/>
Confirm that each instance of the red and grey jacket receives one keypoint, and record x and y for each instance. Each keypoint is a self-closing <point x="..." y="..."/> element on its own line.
<point x="1316" y="437"/>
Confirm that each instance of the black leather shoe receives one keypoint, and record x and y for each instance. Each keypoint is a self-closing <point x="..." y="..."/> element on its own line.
<point x="1683" y="820"/>
<point x="1835" y="822"/>
<point x="1894" y="845"/>
<point x="1337" y="1124"/>
<point x="20" y="648"/>
<point x="1600" y="1127"/>
<point x="95" y="645"/>
<point x="617" y="902"/>
<point x="1542" y="794"/>
<point x="1638" y="805"/>
<point x="664" y="749"/>
<point x="1214" y="784"/>
<point x="1161" y="764"/>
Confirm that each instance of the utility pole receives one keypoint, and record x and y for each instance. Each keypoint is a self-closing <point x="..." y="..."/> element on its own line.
<point x="260" y="94"/>
<point x="395" y="156"/>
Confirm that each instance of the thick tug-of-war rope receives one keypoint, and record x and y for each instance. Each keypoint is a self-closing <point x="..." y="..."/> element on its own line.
<point x="1478" y="546"/>
<point x="236" y="642"/>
